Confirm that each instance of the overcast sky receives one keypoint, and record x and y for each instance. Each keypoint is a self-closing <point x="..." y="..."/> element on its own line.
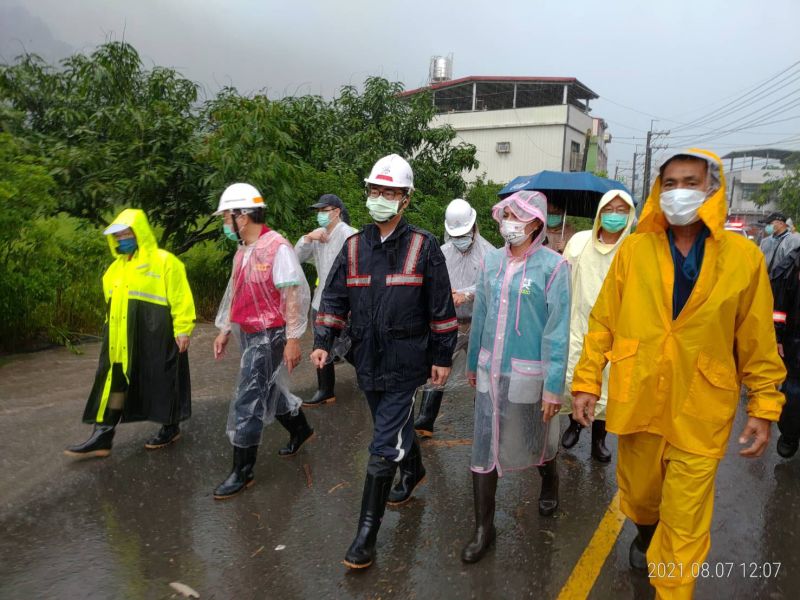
<point x="675" y="60"/>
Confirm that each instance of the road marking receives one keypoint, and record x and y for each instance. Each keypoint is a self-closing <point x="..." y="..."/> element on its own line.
<point x="588" y="567"/>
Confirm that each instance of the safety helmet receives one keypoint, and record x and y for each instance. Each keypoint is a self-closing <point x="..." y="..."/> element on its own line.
<point x="459" y="218"/>
<point x="239" y="196"/>
<point x="392" y="171"/>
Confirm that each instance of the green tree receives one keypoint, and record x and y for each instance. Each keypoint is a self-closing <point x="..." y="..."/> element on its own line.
<point x="784" y="190"/>
<point x="114" y="134"/>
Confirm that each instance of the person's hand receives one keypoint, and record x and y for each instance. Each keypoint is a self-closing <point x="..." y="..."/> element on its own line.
<point x="472" y="379"/>
<point x="583" y="408"/>
<point x="291" y="354"/>
<point x="319" y="357"/>
<point x="318" y="235"/>
<point x="183" y="343"/>
<point x="459" y="299"/>
<point x="780" y="350"/>
<point x="559" y="245"/>
<point x="220" y="342"/>
<point x="758" y="430"/>
<point x="439" y="375"/>
<point x="549" y="410"/>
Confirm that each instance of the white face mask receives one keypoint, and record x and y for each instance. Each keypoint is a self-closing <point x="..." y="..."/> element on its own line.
<point x="680" y="206"/>
<point x="513" y="232"/>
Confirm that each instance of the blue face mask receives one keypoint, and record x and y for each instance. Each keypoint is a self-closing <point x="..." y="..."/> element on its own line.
<point x="769" y="229"/>
<point x="127" y="246"/>
<point x="612" y="222"/>
<point x="554" y="220"/>
<point x="323" y="218"/>
<point x="229" y="232"/>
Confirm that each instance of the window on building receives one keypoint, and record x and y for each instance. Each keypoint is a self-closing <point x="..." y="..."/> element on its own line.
<point x="575" y="157"/>
<point x="503" y="147"/>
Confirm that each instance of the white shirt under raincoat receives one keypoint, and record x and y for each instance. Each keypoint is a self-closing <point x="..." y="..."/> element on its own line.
<point x="322" y="255"/>
<point x="463" y="268"/>
<point x="590" y="260"/>
<point x="518" y="350"/>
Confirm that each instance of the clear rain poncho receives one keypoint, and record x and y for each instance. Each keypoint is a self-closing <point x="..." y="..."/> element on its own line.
<point x="590" y="260"/>
<point x="518" y="347"/>
<point x="463" y="269"/>
<point x="266" y="302"/>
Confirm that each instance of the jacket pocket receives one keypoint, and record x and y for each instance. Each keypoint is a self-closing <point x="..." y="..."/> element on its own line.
<point x="525" y="381"/>
<point x="623" y="364"/>
<point x="714" y="391"/>
<point x="482" y="376"/>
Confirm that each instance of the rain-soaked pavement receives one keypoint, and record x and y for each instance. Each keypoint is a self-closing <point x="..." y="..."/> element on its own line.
<point x="128" y="525"/>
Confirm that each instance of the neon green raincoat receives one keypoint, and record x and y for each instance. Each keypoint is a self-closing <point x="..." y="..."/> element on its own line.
<point x="680" y="379"/>
<point x="149" y="304"/>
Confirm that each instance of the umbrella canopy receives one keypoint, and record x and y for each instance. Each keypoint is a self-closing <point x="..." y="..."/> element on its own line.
<point x="578" y="192"/>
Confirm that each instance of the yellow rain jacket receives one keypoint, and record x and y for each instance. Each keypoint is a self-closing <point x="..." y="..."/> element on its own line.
<point x="590" y="260"/>
<point x="149" y="304"/>
<point x="680" y="379"/>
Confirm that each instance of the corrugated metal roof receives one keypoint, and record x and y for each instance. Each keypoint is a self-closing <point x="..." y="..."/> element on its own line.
<point x="585" y="92"/>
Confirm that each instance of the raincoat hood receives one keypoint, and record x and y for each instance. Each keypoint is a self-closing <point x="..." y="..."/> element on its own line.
<point x="608" y="197"/>
<point x="526" y="206"/>
<point x="714" y="211"/>
<point x="136" y="220"/>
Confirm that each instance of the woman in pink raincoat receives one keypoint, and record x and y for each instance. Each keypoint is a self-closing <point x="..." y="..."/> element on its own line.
<point x="517" y="360"/>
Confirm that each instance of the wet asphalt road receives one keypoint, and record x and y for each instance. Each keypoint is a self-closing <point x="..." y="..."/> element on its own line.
<point x="128" y="525"/>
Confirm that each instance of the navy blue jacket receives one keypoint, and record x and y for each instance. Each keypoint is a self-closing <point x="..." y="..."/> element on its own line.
<point x="398" y="298"/>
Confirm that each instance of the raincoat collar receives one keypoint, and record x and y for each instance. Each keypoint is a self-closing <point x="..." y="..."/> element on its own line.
<point x="136" y="219"/>
<point x="602" y="247"/>
<point x="713" y="213"/>
<point x="373" y="234"/>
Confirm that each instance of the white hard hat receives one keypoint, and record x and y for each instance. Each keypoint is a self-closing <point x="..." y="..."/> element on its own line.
<point x="239" y="196"/>
<point x="392" y="171"/>
<point x="459" y="218"/>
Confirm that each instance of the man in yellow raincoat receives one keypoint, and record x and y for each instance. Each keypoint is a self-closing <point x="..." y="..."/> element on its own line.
<point x="685" y="318"/>
<point x="144" y="365"/>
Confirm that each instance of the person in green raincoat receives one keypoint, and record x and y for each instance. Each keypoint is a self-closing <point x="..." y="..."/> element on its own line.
<point x="143" y="372"/>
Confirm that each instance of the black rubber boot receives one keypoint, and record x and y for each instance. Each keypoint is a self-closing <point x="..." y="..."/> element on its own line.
<point x="548" y="497"/>
<point x="299" y="432"/>
<point x="787" y="447"/>
<point x="380" y="474"/>
<point x="326" y="380"/>
<point x="412" y="474"/>
<point x="599" y="451"/>
<point x="241" y="477"/>
<point x="99" y="443"/>
<point x="484" y="486"/>
<point x="165" y="436"/>
<point x="428" y="411"/>
<point x="637" y="555"/>
<point x="571" y="434"/>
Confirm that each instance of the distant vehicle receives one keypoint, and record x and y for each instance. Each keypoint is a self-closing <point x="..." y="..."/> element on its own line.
<point x="737" y="227"/>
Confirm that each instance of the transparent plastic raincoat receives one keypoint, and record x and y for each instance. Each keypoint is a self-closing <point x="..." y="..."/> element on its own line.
<point x="322" y="255"/>
<point x="518" y="347"/>
<point x="463" y="269"/>
<point x="266" y="301"/>
<point x="590" y="260"/>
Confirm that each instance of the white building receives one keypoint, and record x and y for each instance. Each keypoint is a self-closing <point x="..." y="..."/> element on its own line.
<point x="520" y="125"/>
<point x="745" y="172"/>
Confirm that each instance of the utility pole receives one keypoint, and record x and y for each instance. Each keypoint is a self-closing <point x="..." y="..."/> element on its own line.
<point x="648" y="155"/>
<point x="616" y="171"/>
<point x="633" y="178"/>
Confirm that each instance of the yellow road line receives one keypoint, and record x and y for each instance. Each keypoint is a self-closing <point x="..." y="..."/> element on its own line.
<point x="585" y="573"/>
